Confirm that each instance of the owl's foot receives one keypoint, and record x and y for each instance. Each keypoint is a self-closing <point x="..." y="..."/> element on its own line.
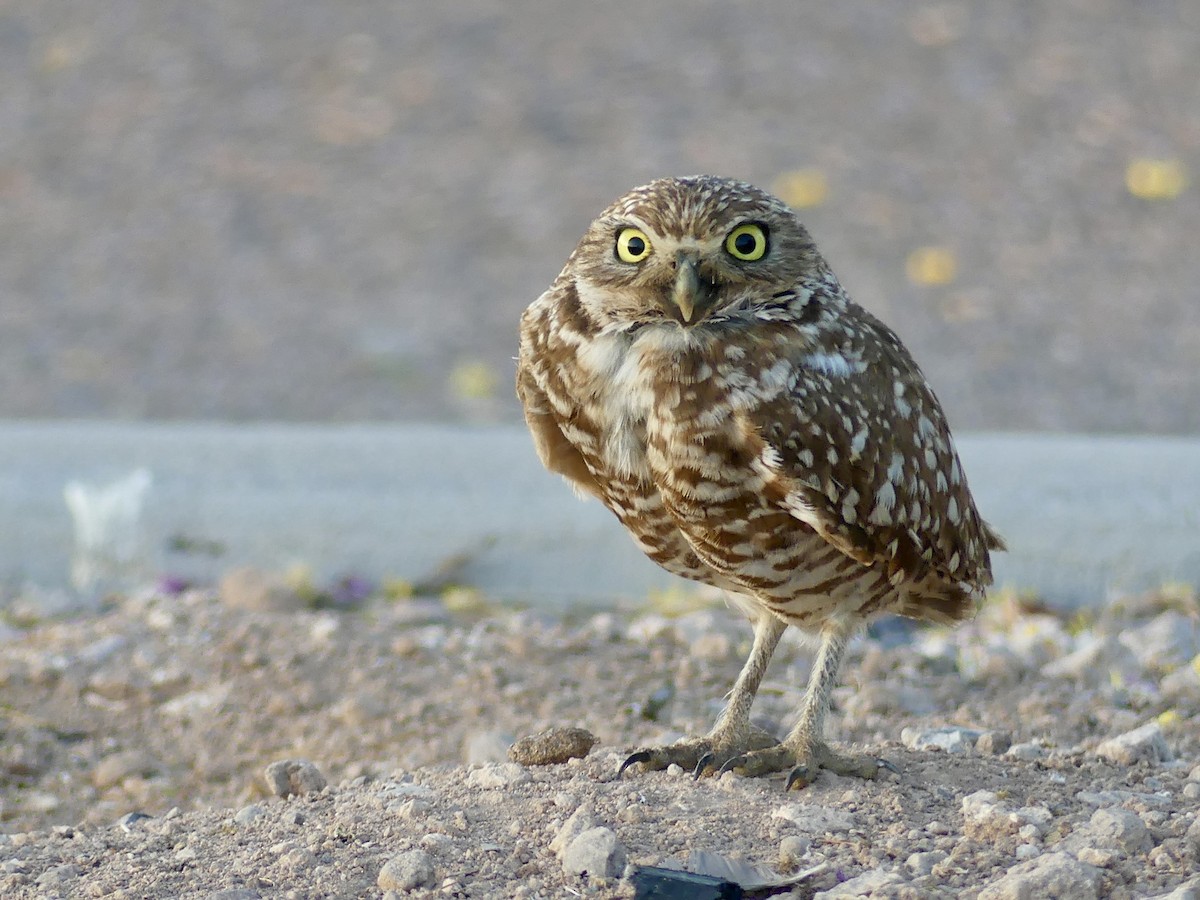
<point x="802" y="763"/>
<point x="699" y="756"/>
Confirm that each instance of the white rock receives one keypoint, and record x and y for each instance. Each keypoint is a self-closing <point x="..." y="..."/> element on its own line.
<point x="949" y="738"/>
<point x="596" y="853"/>
<point x="436" y="841"/>
<point x="876" y="882"/>
<point x="985" y="816"/>
<point x="1142" y="744"/>
<point x="583" y="819"/>
<point x="496" y="776"/>
<point x="1028" y="750"/>
<point x="1168" y="640"/>
<point x="811" y="818"/>
<point x="1119" y="829"/>
<point x="1057" y="875"/>
<point x="407" y="872"/>
<point x="792" y="849"/>
<point x="1094" y="660"/>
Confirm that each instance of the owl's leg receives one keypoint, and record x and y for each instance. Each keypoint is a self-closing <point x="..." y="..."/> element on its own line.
<point x="732" y="736"/>
<point x="804" y="751"/>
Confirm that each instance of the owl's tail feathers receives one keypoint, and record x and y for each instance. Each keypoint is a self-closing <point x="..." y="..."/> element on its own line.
<point x="940" y="602"/>
<point x="992" y="536"/>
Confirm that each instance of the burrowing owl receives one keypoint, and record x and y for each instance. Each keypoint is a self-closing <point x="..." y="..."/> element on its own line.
<point x="698" y="368"/>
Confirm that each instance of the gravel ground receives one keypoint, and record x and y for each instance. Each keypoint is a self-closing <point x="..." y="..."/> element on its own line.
<point x="145" y="748"/>
<point x="297" y="210"/>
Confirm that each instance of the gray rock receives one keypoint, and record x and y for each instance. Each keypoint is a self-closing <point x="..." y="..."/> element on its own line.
<point x="1057" y="875"/>
<point x="498" y="776"/>
<point x="811" y="818"/>
<point x="923" y="863"/>
<point x="407" y="872"/>
<point x="1119" y="829"/>
<point x="293" y="776"/>
<point x="1192" y="838"/>
<point x="1189" y="890"/>
<point x="596" y="853"/>
<point x="248" y="814"/>
<point x="950" y="739"/>
<point x="59" y="875"/>
<point x="1144" y="744"/>
<point x="994" y="742"/>
<point x="234" y="894"/>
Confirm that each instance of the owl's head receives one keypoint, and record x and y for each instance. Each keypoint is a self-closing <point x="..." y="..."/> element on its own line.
<point x="689" y="251"/>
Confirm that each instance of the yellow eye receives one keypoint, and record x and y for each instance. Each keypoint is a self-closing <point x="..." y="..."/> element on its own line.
<point x="632" y="245"/>
<point x="747" y="242"/>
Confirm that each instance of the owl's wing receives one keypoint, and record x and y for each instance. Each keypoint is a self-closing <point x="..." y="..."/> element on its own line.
<point x="555" y="451"/>
<point x="859" y="450"/>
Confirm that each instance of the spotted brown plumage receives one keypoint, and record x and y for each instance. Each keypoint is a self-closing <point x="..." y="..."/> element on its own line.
<point x="698" y="368"/>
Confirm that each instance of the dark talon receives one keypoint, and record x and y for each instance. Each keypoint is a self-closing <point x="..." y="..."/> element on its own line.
<point x="798" y="774"/>
<point x="640" y="756"/>
<point x="731" y="764"/>
<point x="703" y="763"/>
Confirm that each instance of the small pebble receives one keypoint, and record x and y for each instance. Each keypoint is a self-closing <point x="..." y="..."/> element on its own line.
<point x="994" y="742"/>
<point x="1094" y="856"/>
<point x="792" y="849"/>
<point x="1028" y="750"/>
<point x="923" y="863"/>
<point x="435" y="841"/>
<point x="556" y="745"/>
<point x="596" y="853"/>
<point x="293" y="776"/>
<point x="811" y="818"/>
<point x="407" y="872"/>
<point x="949" y="739"/>
<point x="248" y="814"/>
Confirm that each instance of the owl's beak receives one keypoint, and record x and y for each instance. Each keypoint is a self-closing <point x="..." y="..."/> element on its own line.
<point x="687" y="294"/>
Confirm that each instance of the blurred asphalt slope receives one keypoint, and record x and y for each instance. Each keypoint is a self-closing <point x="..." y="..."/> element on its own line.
<point x="1085" y="518"/>
<point x="313" y="211"/>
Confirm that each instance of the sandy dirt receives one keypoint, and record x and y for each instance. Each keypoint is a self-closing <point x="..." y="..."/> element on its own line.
<point x="134" y="742"/>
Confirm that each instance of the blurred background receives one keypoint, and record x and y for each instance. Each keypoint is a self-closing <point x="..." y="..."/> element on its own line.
<point x="287" y="210"/>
